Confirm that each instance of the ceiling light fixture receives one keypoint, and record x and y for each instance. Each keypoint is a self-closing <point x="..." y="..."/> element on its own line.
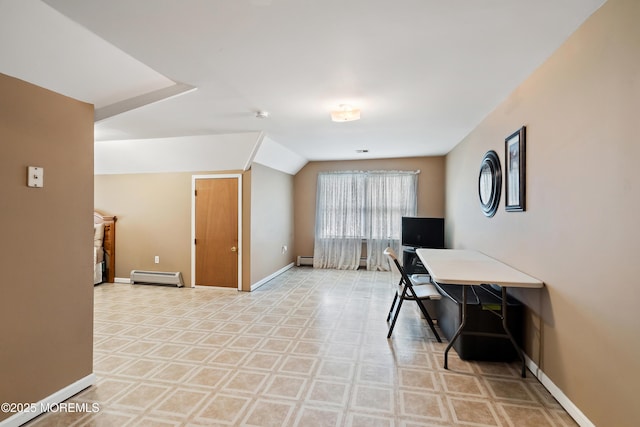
<point x="345" y="113"/>
<point x="262" y="114"/>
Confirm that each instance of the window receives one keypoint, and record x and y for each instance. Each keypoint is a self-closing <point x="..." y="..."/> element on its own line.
<point x="356" y="206"/>
<point x="340" y="206"/>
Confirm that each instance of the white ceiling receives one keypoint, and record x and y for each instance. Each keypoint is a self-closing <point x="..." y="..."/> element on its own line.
<point x="424" y="72"/>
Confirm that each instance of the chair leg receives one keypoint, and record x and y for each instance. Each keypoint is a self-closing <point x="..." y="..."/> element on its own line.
<point x="395" y="298"/>
<point x="395" y="317"/>
<point x="429" y="321"/>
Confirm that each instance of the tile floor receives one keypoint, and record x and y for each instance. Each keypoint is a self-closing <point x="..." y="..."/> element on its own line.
<point x="308" y="348"/>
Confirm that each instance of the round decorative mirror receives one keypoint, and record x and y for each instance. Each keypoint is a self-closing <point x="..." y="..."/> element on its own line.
<point x="490" y="183"/>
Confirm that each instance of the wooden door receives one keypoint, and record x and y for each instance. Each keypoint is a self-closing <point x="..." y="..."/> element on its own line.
<point x="216" y="232"/>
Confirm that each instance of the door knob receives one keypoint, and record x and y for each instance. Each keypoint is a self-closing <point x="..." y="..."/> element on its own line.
<point x="234" y="249"/>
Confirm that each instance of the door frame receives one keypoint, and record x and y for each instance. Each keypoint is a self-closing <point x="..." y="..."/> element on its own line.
<point x="237" y="176"/>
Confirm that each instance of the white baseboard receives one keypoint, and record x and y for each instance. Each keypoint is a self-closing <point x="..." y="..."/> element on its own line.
<point x="122" y="280"/>
<point x="562" y="398"/>
<point x="271" y="276"/>
<point x="59" y="396"/>
<point x="307" y="260"/>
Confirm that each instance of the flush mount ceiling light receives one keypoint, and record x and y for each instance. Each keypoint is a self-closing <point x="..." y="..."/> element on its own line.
<point x="345" y="113"/>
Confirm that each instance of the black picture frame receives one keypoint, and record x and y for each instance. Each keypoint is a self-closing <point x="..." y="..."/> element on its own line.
<point x="515" y="171"/>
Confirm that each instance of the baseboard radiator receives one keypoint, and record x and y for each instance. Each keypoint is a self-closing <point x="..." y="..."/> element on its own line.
<point x="304" y="260"/>
<point x="308" y="260"/>
<point x="156" y="278"/>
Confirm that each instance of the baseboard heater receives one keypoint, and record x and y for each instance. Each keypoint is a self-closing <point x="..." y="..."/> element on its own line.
<point x="156" y="278"/>
<point x="308" y="260"/>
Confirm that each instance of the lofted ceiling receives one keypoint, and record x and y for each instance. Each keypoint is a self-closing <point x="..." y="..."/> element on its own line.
<point x="423" y="72"/>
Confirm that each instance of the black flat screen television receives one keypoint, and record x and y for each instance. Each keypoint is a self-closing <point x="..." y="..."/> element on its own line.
<point x="421" y="232"/>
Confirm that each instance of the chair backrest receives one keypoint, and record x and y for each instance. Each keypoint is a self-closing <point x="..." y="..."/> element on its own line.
<point x="390" y="253"/>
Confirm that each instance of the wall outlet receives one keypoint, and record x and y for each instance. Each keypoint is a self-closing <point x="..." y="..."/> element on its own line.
<point x="35" y="177"/>
<point x="156" y="259"/>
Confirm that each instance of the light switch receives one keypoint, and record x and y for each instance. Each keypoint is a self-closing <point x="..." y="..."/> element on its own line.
<point x="35" y="177"/>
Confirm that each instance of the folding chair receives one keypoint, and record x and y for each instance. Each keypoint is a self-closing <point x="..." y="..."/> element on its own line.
<point x="411" y="291"/>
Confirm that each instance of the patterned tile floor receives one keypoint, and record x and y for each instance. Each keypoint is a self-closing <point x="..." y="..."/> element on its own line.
<point x="308" y="348"/>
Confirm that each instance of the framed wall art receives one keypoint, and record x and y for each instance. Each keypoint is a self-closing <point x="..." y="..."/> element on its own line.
<point x="515" y="171"/>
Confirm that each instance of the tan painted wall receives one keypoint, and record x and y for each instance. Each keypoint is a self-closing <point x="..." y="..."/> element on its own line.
<point x="271" y="221"/>
<point x="580" y="232"/>
<point x="431" y="201"/>
<point x="46" y="303"/>
<point x="154" y="218"/>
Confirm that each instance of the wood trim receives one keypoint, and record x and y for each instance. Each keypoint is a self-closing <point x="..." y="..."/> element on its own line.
<point x="108" y="243"/>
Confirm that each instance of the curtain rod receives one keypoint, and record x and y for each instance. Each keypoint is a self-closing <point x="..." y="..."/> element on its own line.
<point x="416" y="172"/>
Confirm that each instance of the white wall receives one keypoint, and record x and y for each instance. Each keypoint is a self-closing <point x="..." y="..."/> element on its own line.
<point x="180" y="154"/>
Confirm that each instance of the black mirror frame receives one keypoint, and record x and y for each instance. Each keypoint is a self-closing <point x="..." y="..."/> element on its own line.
<point x="492" y="160"/>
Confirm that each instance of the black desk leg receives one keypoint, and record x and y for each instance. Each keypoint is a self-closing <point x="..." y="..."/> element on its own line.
<point x="463" y="321"/>
<point x="506" y="329"/>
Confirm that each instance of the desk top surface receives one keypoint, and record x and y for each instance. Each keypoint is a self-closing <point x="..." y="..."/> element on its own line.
<point x="469" y="267"/>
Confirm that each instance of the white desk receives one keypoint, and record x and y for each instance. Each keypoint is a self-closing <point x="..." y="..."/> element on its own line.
<point x="468" y="267"/>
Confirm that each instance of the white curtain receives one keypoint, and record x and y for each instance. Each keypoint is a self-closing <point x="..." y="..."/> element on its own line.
<point x="352" y="207"/>
<point x="339" y="221"/>
<point x="390" y="197"/>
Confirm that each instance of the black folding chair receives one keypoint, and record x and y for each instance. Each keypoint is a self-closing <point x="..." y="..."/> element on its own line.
<point x="408" y="290"/>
